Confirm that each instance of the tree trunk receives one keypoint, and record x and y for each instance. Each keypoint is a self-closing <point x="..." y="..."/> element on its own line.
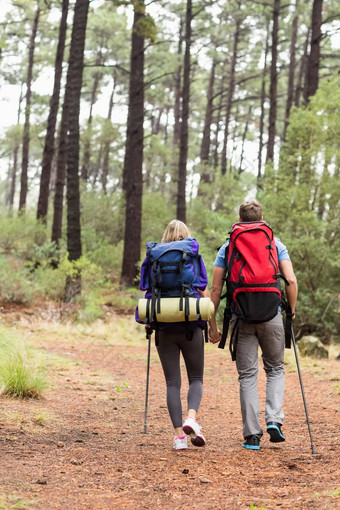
<point x="273" y="84"/>
<point x="97" y="167"/>
<point x="72" y="100"/>
<point x="72" y="97"/>
<point x="107" y="145"/>
<point x="177" y="107"/>
<point x="87" y="145"/>
<point x="230" y="96"/>
<point x="13" y="177"/>
<point x="205" y="145"/>
<point x="244" y="137"/>
<point x="313" y="64"/>
<point x="183" y="149"/>
<point x="302" y="72"/>
<point x="60" y="177"/>
<point x="263" y="99"/>
<point x="11" y="195"/>
<point x="26" y="136"/>
<point x="206" y="176"/>
<point x="290" y="93"/>
<point x="322" y="198"/>
<point x="234" y="138"/>
<point x="46" y="164"/>
<point x="218" y="124"/>
<point x="156" y="121"/>
<point x="133" y="162"/>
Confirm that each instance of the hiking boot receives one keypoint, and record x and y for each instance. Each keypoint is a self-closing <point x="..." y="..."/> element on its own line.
<point x="274" y="430"/>
<point x="193" y="429"/>
<point x="252" y="443"/>
<point x="180" y="443"/>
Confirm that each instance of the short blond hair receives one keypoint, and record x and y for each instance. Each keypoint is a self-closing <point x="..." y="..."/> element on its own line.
<point x="175" y="231"/>
<point x="251" y="211"/>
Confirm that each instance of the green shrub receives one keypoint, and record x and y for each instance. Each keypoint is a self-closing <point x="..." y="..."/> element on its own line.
<point x="20" y="234"/>
<point x="91" y="307"/>
<point x="15" y="285"/>
<point x="109" y="257"/>
<point x="102" y="217"/>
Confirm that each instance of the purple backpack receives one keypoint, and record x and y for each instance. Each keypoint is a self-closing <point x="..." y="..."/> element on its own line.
<point x="173" y="269"/>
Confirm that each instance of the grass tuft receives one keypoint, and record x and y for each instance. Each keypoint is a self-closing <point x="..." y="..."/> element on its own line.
<point x="20" y="376"/>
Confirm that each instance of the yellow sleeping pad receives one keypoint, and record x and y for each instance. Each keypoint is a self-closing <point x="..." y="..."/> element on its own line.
<point x="170" y="309"/>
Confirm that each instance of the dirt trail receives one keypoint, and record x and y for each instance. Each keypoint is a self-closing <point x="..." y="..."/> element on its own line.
<point x="82" y="446"/>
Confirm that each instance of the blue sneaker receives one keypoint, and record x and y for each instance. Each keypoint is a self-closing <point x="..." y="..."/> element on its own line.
<point x="275" y="432"/>
<point x="252" y="443"/>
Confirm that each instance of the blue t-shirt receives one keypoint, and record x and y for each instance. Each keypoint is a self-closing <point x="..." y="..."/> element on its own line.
<point x="281" y="249"/>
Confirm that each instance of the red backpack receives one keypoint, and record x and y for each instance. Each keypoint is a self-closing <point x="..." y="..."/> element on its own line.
<point x="252" y="277"/>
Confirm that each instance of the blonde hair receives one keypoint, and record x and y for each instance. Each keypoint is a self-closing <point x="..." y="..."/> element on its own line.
<point x="175" y="231"/>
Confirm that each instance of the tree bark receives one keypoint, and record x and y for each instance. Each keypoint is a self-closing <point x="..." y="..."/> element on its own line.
<point x="206" y="176"/>
<point x="244" y="137"/>
<point x="205" y="145"/>
<point x="322" y="195"/>
<point x="72" y="107"/>
<point x="302" y="72"/>
<point x="183" y="149"/>
<point x="13" y="177"/>
<point x="11" y="194"/>
<point x="133" y="162"/>
<point x="85" y="169"/>
<point x="178" y="75"/>
<point x="72" y="97"/>
<point x="48" y="153"/>
<point x="230" y="96"/>
<point x="218" y="124"/>
<point x="290" y="93"/>
<point x="312" y="77"/>
<point x="273" y="84"/>
<point x="26" y="136"/>
<point x="234" y="138"/>
<point x="263" y="99"/>
<point x="105" y="172"/>
<point x="60" y="177"/>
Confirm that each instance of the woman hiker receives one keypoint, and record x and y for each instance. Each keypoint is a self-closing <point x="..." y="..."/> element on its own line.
<point x="186" y="338"/>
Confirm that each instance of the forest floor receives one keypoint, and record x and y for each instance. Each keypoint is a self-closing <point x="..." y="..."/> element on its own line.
<point x="82" y="445"/>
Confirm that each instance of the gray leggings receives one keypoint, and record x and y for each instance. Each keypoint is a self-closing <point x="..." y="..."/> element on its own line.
<point x="169" y="348"/>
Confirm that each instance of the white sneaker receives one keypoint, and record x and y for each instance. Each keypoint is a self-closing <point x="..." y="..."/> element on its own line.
<point x="180" y="443"/>
<point x="193" y="429"/>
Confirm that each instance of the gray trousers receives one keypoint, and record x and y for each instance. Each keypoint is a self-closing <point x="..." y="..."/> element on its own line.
<point x="170" y="346"/>
<point x="270" y="336"/>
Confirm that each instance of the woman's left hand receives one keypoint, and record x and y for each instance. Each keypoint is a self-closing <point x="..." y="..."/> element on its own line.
<point x="214" y="335"/>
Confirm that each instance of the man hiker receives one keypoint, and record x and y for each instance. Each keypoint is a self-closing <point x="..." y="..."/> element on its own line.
<point x="269" y="335"/>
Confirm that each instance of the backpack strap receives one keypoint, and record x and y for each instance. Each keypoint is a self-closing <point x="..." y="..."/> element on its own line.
<point x="234" y="339"/>
<point x="206" y="338"/>
<point x="154" y="292"/>
<point x="227" y="310"/>
<point x="226" y="322"/>
<point x="198" y="311"/>
<point x="288" y="322"/>
<point x="147" y="312"/>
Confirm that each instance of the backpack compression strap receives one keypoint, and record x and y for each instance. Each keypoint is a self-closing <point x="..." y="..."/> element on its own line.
<point x="227" y="311"/>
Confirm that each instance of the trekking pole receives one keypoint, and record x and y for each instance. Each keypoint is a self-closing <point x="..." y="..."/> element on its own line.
<point x="148" y="336"/>
<point x="302" y="390"/>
